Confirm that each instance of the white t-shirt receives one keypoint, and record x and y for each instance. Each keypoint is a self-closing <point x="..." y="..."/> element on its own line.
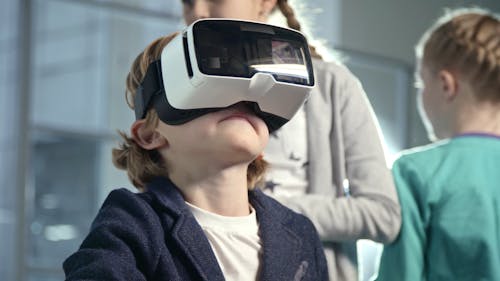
<point x="286" y="152"/>
<point x="235" y="242"/>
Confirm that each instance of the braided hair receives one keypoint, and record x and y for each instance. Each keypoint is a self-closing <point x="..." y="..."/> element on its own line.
<point x="466" y="41"/>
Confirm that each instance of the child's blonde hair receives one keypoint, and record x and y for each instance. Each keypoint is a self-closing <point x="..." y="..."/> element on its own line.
<point x="466" y="41"/>
<point x="142" y="165"/>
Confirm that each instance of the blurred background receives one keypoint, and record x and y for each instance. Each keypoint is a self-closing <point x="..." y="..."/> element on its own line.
<point x="62" y="70"/>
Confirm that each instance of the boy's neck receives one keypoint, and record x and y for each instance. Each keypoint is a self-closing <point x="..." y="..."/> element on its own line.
<point x="222" y="192"/>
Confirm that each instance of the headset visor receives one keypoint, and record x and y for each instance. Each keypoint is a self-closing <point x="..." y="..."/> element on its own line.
<point x="241" y="49"/>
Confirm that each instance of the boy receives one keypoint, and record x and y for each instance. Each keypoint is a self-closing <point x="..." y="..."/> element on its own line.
<point x="198" y="217"/>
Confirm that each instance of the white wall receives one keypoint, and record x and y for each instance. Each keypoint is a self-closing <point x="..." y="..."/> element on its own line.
<point x="390" y="28"/>
<point x="380" y="28"/>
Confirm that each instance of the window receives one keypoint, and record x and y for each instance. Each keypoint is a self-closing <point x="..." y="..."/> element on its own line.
<point x="77" y="61"/>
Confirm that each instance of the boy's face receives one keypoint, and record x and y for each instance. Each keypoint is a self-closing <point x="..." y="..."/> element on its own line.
<point x="229" y="136"/>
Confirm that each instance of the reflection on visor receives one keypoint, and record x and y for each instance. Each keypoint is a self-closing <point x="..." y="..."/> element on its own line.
<point x="229" y="49"/>
<point x="295" y="73"/>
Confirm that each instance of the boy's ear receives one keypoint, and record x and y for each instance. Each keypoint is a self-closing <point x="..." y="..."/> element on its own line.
<point x="147" y="138"/>
<point x="449" y="84"/>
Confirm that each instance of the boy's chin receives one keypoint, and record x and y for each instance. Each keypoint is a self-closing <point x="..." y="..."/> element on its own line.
<point x="240" y="157"/>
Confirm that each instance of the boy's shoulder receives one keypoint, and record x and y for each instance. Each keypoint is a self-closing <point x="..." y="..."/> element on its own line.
<point x="123" y="204"/>
<point x="123" y="198"/>
<point x="159" y="197"/>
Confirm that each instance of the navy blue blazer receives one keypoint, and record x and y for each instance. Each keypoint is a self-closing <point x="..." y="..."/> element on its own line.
<point x="153" y="236"/>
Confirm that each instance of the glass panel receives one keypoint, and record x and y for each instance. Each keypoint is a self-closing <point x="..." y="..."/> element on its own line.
<point x="170" y="7"/>
<point x="81" y="57"/>
<point x="45" y="277"/>
<point x="82" y="52"/>
<point x="67" y="67"/>
<point x="10" y="103"/>
<point x="65" y="179"/>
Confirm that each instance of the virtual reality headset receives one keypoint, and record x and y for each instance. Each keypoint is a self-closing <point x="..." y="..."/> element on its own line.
<point x="216" y="63"/>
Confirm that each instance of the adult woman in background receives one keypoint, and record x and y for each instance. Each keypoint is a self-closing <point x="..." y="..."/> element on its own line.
<point x="328" y="162"/>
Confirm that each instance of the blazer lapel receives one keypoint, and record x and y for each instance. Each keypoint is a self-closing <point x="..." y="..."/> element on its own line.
<point x="192" y="241"/>
<point x="281" y="246"/>
<point x="185" y="231"/>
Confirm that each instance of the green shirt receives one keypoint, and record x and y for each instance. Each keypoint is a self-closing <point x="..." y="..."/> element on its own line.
<point x="450" y="201"/>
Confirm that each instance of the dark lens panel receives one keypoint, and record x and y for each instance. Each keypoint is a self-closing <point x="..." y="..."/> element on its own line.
<point x="230" y="48"/>
<point x="219" y="50"/>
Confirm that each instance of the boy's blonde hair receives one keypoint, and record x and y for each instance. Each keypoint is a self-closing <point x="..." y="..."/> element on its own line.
<point x="466" y="41"/>
<point x="142" y="165"/>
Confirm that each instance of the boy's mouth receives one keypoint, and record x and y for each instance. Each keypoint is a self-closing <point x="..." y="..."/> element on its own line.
<point x="240" y="111"/>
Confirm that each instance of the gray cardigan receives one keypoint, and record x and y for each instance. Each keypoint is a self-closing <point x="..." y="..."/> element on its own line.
<point x="344" y="143"/>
